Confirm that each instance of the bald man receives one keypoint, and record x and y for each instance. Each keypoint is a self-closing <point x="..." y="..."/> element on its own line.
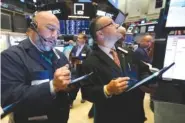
<point x="37" y="75"/>
<point x="142" y="52"/>
<point x="120" y="42"/>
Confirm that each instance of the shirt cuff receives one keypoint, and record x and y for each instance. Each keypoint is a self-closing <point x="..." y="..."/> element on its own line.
<point x="52" y="88"/>
<point x="106" y="92"/>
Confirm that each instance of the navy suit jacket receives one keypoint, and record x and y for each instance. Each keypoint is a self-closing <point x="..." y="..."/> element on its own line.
<point x="141" y="54"/>
<point x="85" y="50"/>
<point x="124" y="108"/>
<point x="22" y="65"/>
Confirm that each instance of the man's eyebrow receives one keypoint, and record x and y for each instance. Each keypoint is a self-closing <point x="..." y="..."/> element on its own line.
<point x="52" y="26"/>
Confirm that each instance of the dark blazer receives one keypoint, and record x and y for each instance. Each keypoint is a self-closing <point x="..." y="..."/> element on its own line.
<point x="141" y="54"/>
<point x="124" y="108"/>
<point x="85" y="51"/>
<point x="23" y="64"/>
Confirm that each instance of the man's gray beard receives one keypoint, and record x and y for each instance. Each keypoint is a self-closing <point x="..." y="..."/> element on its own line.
<point x="41" y="45"/>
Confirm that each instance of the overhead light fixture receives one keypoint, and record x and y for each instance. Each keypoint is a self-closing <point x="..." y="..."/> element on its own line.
<point x="34" y="1"/>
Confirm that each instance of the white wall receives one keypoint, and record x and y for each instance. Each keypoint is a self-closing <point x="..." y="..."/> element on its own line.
<point x="138" y="9"/>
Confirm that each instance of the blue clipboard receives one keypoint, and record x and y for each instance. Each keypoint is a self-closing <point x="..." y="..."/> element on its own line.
<point x="80" y="78"/>
<point x="159" y="73"/>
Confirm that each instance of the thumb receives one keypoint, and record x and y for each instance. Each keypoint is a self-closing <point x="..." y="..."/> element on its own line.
<point x="67" y="65"/>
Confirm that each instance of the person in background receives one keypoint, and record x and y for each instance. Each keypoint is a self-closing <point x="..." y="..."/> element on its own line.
<point x="37" y="75"/>
<point x="142" y="52"/>
<point x="107" y="85"/>
<point x="68" y="46"/>
<point x="120" y="42"/>
<point x="80" y="52"/>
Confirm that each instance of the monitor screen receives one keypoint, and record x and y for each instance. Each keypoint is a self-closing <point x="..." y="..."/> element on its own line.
<point x="143" y="29"/>
<point x="103" y="13"/>
<point x="115" y="3"/>
<point x="129" y="38"/>
<point x="151" y="28"/>
<point x="100" y="13"/>
<point x="120" y="19"/>
<point x="129" y="30"/>
<point x="84" y="1"/>
<point x="74" y="27"/>
<point x="175" y="52"/>
<point x="16" y="39"/>
<point x="176" y="14"/>
<point x="62" y="27"/>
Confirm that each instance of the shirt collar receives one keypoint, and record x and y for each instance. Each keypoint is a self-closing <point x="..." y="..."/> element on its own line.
<point x="81" y="46"/>
<point x="105" y="49"/>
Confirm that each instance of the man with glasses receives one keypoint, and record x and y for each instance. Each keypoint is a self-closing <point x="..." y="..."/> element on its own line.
<point x="37" y="75"/>
<point x="106" y="87"/>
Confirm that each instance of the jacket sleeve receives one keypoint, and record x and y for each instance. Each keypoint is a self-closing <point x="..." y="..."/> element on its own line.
<point x="15" y="86"/>
<point x="92" y="88"/>
<point x="89" y="51"/>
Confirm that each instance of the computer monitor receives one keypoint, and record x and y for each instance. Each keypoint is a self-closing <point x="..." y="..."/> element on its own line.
<point x="62" y="27"/>
<point x="74" y="27"/>
<point x="175" y="52"/>
<point x="120" y="18"/>
<point x="151" y="28"/>
<point x="176" y="14"/>
<point x="143" y="29"/>
<point x="129" y="38"/>
<point x="100" y="13"/>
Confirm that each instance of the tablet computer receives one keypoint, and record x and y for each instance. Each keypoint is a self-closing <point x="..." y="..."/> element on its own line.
<point x="156" y="74"/>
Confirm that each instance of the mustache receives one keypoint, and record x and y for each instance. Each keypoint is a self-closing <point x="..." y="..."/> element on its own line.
<point x="49" y="40"/>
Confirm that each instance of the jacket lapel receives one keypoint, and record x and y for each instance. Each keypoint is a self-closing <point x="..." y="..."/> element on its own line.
<point x="35" y="54"/>
<point x="107" y="60"/>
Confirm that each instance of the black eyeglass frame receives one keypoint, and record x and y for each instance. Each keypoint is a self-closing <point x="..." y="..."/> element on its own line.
<point x="107" y="26"/>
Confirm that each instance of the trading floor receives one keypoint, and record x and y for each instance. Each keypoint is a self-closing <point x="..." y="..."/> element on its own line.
<point x="79" y="112"/>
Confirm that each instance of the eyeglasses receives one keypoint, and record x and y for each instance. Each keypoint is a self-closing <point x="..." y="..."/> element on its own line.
<point x="52" y="28"/>
<point x="111" y="23"/>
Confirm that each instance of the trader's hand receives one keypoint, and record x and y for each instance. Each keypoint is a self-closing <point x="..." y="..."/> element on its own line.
<point x="62" y="77"/>
<point x="117" y="86"/>
<point x="70" y="88"/>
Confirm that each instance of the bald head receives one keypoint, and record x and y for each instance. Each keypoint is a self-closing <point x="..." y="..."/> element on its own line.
<point x="147" y="37"/>
<point x="48" y="29"/>
<point x="45" y="17"/>
<point x="146" y="41"/>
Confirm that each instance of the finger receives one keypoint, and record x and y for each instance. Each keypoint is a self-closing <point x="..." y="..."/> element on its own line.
<point x="123" y="88"/>
<point x="65" y="73"/>
<point x="121" y="79"/>
<point x="66" y="67"/>
<point x="64" y="78"/>
<point x="60" y="72"/>
<point x="121" y="84"/>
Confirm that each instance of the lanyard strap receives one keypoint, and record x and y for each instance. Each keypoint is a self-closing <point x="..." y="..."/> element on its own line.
<point x="47" y="59"/>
